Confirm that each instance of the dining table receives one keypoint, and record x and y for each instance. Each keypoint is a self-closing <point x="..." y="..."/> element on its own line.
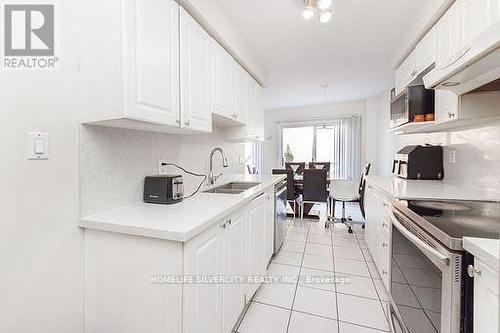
<point x="298" y="181"/>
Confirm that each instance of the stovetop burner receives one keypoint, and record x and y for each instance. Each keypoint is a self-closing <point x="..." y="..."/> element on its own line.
<point x="460" y="219"/>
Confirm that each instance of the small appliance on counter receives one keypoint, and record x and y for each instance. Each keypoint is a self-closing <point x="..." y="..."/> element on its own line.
<point x="163" y="189"/>
<point x="419" y="162"/>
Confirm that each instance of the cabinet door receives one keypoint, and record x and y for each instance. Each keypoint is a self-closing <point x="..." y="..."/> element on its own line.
<point x="450" y="32"/>
<point x="446" y="106"/>
<point x="424" y="52"/>
<point x="241" y="88"/>
<point x="371" y="219"/>
<point x="223" y="94"/>
<point x="269" y="229"/>
<point x="196" y="75"/>
<point x="256" y="214"/>
<point x="203" y="302"/>
<point x="151" y="60"/>
<point x="234" y="265"/>
<point x="486" y="305"/>
<point x="405" y="73"/>
<point x="480" y="15"/>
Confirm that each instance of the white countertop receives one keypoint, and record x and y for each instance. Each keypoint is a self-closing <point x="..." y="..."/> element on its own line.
<point x="428" y="189"/>
<point x="486" y="250"/>
<point x="180" y="221"/>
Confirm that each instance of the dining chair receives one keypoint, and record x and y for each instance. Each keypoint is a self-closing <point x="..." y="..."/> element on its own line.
<point x="296" y="167"/>
<point x="314" y="190"/>
<point x="320" y="165"/>
<point x="345" y="191"/>
<point x="291" y="193"/>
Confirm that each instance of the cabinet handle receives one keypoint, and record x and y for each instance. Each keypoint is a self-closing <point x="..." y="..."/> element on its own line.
<point x="384" y="245"/>
<point x="187" y="122"/>
<point x="223" y="226"/>
<point x="384" y="272"/>
<point x="229" y="221"/>
<point x="178" y="121"/>
<point x="385" y="225"/>
<point x="451" y="115"/>
<point x="473" y="271"/>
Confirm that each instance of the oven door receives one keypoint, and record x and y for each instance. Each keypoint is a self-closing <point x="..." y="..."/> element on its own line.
<point x="425" y="281"/>
<point x="400" y="113"/>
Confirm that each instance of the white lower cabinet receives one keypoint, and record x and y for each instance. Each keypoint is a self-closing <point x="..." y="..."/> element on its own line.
<point x="378" y="232"/>
<point x="255" y="227"/>
<point x="233" y="294"/>
<point x="234" y="247"/>
<point x="486" y="307"/>
<point x="203" y="257"/>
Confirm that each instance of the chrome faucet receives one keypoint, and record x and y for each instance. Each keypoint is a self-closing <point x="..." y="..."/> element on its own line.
<point x="211" y="177"/>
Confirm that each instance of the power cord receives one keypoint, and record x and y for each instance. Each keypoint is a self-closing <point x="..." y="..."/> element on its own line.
<point x="191" y="173"/>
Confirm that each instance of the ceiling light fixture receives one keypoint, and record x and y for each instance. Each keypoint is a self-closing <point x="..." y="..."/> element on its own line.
<point x="324" y="4"/>
<point x="320" y="7"/>
<point x="308" y="13"/>
<point x="325" y="16"/>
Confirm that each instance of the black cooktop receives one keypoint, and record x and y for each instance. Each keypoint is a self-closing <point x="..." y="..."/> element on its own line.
<point x="461" y="218"/>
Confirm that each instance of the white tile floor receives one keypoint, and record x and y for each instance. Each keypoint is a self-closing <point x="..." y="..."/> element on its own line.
<point x="338" y="289"/>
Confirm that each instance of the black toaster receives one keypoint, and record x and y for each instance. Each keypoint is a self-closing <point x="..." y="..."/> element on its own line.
<point x="419" y="162"/>
<point x="163" y="189"/>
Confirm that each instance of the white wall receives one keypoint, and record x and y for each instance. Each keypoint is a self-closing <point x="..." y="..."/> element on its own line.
<point x="320" y="112"/>
<point x="477" y="154"/>
<point x="40" y="244"/>
<point x="115" y="161"/>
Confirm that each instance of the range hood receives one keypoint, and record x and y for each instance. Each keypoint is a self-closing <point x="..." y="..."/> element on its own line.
<point x="475" y="66"/>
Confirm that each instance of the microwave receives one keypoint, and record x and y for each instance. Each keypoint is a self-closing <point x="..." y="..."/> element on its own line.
<point x="413" y="101"/>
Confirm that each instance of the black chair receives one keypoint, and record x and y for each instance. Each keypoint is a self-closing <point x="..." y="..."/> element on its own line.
<point x="315" y="189"/>
<point x="345" y="194"/>
<point x="296" y="167"/>
<point x="291" y="194"/>
<point x="320" y="165"/>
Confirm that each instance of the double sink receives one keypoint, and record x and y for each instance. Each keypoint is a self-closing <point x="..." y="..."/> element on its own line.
<point x="232" y="188"/>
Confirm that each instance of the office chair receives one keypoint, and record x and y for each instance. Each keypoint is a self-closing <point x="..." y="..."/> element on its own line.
<point x="348" y="194"/>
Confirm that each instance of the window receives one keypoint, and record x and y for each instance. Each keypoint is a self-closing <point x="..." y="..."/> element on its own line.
<point x="336" y="141"/>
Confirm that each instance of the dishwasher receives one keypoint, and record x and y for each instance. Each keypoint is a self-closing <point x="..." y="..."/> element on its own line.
<point x="280" y="202"/>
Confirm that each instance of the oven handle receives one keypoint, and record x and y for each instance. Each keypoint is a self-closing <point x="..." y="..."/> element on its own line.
<point x="417" y="241"/>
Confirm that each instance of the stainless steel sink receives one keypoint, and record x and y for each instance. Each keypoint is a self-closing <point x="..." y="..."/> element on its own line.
<point x="232" y="188"/>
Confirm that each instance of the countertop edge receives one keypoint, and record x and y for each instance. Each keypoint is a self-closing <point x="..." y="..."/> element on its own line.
<point x="94" y="223"/>
<point x="473" y="246"/>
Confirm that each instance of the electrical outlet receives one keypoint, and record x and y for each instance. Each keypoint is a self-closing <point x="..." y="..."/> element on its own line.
<point x="162" y="169"/>
<point x="453" y="158"/>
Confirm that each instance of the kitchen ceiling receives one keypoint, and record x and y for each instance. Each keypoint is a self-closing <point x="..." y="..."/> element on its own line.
<point x="353" y="53"/>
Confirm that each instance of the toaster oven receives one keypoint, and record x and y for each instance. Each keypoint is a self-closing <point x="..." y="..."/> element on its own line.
<point x="163" y="189"/>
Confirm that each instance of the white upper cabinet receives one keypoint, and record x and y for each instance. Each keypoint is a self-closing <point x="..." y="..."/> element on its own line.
<point x="405" y="73"/>
<point x="242" y="94"/>
<point x="424" y="52"/>
<point x="450" y="31"/>
<point x="152" y="60"/>
<point x="196" y="75"/>
<point x="223" y="89"/>
<point x="480" y="15"/>
<point x="446" y="106"/>
<point x="129" y="69"/>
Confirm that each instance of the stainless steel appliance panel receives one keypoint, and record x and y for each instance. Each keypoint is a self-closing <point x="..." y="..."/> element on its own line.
<point x="280" y="203"/>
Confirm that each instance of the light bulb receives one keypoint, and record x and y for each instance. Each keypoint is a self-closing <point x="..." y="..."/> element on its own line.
<point x="308" y="13"/>
<point x="325" y="16"/>
<point x="324" y="4"/>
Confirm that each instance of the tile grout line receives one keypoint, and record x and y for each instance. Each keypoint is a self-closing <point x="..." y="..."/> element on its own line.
<point x="298" y="278"/>
<point x="335" y="282"/>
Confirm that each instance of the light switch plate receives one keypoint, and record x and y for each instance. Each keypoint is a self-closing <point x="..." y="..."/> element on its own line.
<point x="38" y="146"/>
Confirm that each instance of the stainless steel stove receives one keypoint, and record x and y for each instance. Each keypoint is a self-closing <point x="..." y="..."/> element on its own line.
<point x="430" y="290"/>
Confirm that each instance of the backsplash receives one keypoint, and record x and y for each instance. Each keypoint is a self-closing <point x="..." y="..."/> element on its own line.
<point x="114" y="162"/>
<point x="477" y="150"/>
